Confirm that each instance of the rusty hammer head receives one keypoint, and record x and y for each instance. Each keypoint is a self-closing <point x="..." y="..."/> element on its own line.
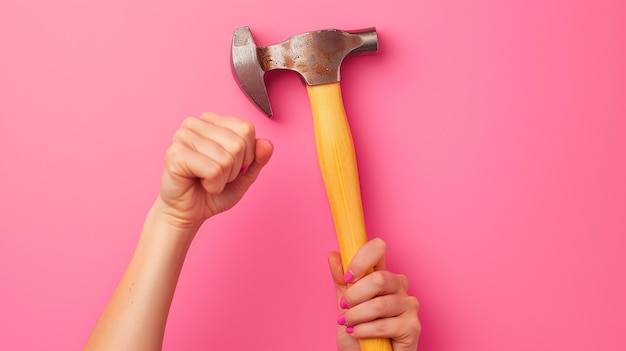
<point x="317" y="56"/>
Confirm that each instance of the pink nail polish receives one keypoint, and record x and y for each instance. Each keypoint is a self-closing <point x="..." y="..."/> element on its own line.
<point x="244" y="169"/>
<point x="350" y="330"/>
<point x="341" y="320"/>
<point x="349" y="277"/>
<point x="343" y="304"/>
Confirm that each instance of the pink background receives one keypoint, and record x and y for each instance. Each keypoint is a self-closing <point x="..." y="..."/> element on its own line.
<point x="491" y="139"/>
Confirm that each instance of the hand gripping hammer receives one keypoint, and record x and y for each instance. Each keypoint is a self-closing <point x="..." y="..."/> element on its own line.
<point x="317" y="57"/>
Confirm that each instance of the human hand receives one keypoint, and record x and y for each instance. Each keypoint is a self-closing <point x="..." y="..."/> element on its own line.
<point x="374" y="305"/>
<point x="210" y="164"/>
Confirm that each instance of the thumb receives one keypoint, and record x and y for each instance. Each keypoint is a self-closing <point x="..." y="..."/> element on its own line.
<point x="336" y="271"/>
<point x="263" y="151"/>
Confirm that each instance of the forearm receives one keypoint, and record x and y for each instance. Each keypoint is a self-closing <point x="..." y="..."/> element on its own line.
<point x="135" y="316"/>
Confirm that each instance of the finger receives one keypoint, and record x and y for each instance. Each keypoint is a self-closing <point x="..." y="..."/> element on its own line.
<point x="199" y="133"/>
<point x="336" y="268"/>
<point x="378" y="283"/>
<point x="404" y="330"/>
<point x="372" y="254"/>
<point x="243" y="128"/>
<point x="379" y="307"/>
<point x="336" y="271"/>
<point x="229" y="157"/>
<point x="184" y="164"/>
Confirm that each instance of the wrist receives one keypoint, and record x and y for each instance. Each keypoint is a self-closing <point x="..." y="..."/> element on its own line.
<point x="160" y="220"/>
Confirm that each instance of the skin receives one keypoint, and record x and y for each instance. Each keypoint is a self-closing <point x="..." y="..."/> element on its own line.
<point x="209" y="166"/>
<point x="375" y="305"/>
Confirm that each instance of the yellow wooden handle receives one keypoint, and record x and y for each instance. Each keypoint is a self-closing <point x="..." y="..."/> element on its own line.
<point x="335" y="151"/>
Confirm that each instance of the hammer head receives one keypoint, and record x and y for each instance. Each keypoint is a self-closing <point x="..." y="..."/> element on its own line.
<point x="317" y="56"/>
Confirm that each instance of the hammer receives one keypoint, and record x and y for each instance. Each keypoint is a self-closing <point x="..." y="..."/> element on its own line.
<point x="317" y="57"/>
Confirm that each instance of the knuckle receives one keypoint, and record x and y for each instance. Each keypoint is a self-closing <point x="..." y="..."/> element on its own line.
<point x="380" y="305"/>
<point x="208" y="116"/>
<point x="381" y="326"/>
<point x="223" y="161"/>
<point x="379" y="279"/>
<point x="214" y="178"/>
<point x="415" y="328"/>
<point x="239" y="144"/>
<point x="188" y="122"/>
<point x="180" y="136"/>
<point x="380" y="243"/>
<point x="174" y="151"/>
<point x="411" y="329"/>
<point x="246" y="128"/>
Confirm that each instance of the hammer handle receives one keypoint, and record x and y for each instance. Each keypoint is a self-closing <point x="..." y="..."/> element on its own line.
<point x="335" y="151"/>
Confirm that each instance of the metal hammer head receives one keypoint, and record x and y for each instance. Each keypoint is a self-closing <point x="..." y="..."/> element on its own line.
<point x="317" y="56"/>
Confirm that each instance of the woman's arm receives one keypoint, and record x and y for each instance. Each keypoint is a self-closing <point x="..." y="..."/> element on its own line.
<point x="210" y="164"/>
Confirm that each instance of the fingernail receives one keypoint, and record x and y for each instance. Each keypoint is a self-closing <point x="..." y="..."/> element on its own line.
<point x="349" y="277"/>
<point x="341" y="320"/>
<point x="349" y="330"/>
<point x="343" y="303"/>
<point x="244" y="169"/>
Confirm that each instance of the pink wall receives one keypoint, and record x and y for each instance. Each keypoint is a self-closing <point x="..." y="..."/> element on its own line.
<point x="491" y="138"/>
